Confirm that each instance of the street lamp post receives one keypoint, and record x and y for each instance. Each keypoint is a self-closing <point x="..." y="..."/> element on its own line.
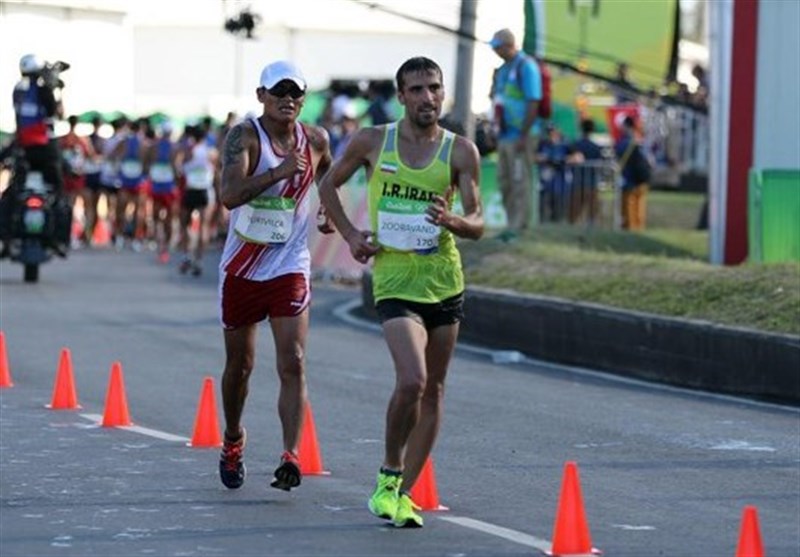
<point x="462" y="107"/>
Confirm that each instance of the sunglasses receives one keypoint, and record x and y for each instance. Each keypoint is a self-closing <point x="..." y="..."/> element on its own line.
<point x="286" y="87"/>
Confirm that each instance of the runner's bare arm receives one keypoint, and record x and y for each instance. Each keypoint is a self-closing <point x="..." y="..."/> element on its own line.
<point x="174" y="160"/>
<point x="144" y="147"/>
<point x="149" y="157"/>
<point x="118" y="151"/>
<point x="320" y="144"/>
<point x="465" y="163"/>
<point x="361" y="151"/>
<point x="238" y="154"/>
<point x="90" y="152"/>
<point x="355" y="156"/>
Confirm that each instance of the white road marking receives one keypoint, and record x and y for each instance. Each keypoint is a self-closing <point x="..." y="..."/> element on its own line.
<point x="97" y="418"/>
<point x="632" y="527"/>
<point x="362" y="441"/>
<point x="736" y="445"/>
<point x="505" y="533"/>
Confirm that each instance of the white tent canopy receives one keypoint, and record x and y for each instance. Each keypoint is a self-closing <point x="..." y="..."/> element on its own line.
<point x="141" y="56"/>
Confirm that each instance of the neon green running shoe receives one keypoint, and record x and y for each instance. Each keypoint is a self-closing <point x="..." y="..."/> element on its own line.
<point x="383" y="502"/>
<point x="406" y="517"/>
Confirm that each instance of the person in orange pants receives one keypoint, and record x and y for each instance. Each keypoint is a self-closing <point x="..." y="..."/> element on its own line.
<point x="635" y="170"/>
<point x="634" y="207"/>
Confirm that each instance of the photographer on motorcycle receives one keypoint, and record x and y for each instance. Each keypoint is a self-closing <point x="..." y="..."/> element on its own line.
<point x="36" y="105"/>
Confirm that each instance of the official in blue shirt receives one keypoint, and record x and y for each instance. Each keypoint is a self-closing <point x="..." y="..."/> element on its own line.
<point x="516" y="92"/>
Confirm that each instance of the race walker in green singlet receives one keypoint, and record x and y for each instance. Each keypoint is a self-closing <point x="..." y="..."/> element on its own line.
<point x="414" y="168"/>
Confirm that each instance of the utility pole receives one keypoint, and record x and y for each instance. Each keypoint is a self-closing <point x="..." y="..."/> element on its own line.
<point x="462" y="107"/>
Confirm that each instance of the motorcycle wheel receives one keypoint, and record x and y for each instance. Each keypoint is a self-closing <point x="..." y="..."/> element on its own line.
<point x="31" y="273"/>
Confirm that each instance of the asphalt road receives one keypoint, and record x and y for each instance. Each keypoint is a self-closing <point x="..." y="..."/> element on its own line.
<point x="662" y="471"/>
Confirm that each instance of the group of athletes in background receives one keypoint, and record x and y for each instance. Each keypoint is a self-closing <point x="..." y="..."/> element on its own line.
<point x="155" y="182"/>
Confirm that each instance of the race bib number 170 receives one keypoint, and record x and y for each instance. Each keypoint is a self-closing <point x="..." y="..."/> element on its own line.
<point x="402" y="226"/>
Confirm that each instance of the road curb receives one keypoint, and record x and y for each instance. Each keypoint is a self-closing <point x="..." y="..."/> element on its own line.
<point x="686" y="353"/>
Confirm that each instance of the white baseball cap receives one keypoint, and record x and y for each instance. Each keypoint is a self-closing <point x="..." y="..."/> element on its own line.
<point x="274" y="73"/>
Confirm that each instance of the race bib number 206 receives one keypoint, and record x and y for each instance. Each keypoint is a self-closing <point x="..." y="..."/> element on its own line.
<point x="267" y="220"/>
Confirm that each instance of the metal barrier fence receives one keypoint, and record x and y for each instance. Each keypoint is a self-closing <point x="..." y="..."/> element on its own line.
<point x="581" y="193"/>
<point x="677" y="140"/>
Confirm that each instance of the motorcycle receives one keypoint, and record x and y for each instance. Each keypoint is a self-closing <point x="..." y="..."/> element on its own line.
<point x="31" y="214"/>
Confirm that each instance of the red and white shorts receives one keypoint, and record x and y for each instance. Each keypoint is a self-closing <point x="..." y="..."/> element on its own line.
<point x="246" y="302"/>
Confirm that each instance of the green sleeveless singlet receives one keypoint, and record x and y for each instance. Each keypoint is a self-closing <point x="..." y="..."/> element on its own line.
<point x="418" y="261"/>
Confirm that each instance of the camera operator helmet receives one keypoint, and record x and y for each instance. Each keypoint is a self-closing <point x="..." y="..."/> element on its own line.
<point x="31" y="64"/>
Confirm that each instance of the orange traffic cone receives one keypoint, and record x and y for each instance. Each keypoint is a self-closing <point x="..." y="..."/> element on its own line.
<point x="65" y="397"/>
<point x="101" y="235"/>
<point x="116" y="411"/>
<point x="308" y="451"/>
<point x="77" y="229"/>
<point x="571" y="531"/>
<point x="424" y="492"/>
<point x="206" y="424"/>
<point x="5" y="371"/>
<point x="750" y="544"/>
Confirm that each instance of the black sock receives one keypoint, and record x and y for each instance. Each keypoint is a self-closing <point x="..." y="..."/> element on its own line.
<point x="390" y="472"/>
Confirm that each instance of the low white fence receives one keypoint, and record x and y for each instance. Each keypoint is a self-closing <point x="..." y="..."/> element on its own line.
<point x="580" y="193"/>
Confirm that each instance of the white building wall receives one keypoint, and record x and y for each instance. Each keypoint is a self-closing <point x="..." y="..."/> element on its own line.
<point x="217" y="72"/>
<point x="139" y="56"/>
<point x="777" y="117"/>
